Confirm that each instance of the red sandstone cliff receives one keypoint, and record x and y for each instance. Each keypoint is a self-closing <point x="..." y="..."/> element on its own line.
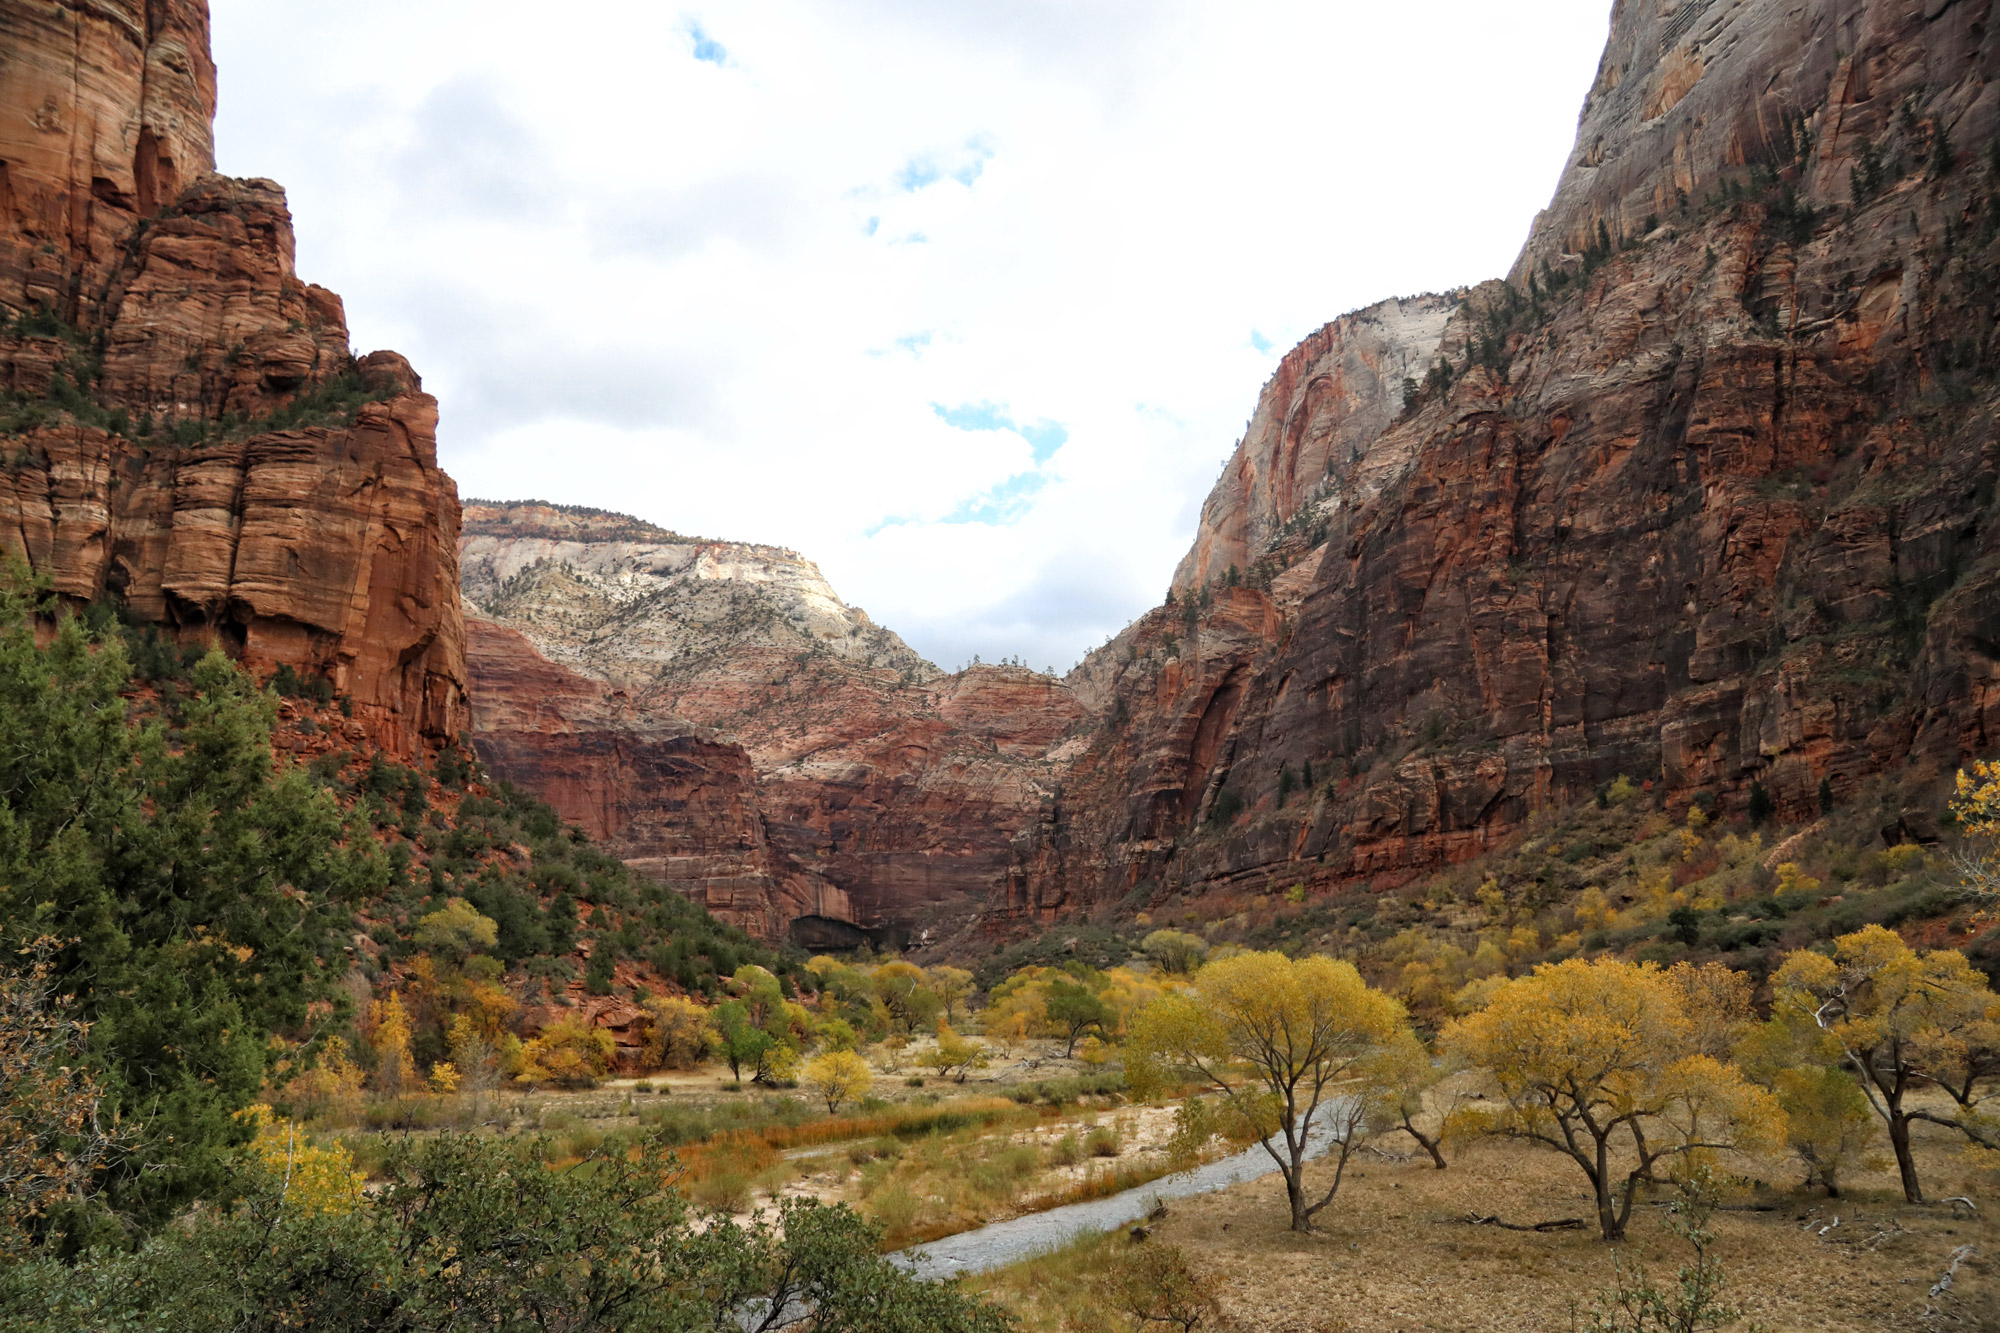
<point x="152" y="320"/>
<point x="1704" y="497"/>
<point x="674" y="805"/>
<point x="912" y="793"/>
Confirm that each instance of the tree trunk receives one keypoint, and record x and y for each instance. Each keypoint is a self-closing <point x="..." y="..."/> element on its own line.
<point x="1428" y="1144"/>
<point x="1608" y="1220"/>
<point x="1295" y="1190"/>
<point x="1906" y="1164"/>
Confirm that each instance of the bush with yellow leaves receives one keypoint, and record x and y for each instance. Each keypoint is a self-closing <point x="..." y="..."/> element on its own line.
<point x="331" y="1089"/>
<point x="569" y="1053"/>
<point x="313" y="1178"/>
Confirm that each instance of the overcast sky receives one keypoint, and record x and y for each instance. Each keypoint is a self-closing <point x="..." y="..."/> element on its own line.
<point x="967" y="300"/>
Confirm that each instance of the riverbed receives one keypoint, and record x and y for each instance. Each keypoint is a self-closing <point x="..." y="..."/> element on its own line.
<point x="1019" y="1238"/>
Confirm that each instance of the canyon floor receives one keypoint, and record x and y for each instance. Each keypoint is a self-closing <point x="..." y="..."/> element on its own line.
<point x="1395" y="1254"/>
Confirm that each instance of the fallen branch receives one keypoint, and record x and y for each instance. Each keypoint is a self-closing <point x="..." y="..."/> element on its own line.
<point x="1957" y="1199"/>
<point x="1958" y="1256"/>
<point x="1560" y="1224"/>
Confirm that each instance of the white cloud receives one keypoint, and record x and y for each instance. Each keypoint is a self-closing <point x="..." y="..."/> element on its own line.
<point x="721" y="265"/>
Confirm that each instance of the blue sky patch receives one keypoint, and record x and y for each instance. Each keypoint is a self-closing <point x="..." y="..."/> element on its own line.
<point x="706" y="48"/>
<point x="1004" y="504"/>
<point x="974" y="416"/>
<point x="1259" y="341"/>
<point x="918" y="173"/>
<point x="964" y="165"/>
<point x="1043" y="436"/>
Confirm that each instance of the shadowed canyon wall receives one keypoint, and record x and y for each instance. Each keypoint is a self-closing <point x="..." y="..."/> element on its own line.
<point x="154" y="336"/>
<point x="1703" y="496"/>
<point x="674" y="805"/>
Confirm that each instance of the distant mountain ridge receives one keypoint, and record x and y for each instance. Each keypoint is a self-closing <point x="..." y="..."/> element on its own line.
<point x="889" y="794"/>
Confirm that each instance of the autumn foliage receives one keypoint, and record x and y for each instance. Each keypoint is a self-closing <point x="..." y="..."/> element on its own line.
<point x="1603" y="1061"/>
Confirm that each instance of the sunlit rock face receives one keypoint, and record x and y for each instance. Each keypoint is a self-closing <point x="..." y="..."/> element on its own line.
<point x="1703" y="496"/>
<point x="153" y="318"/>
<point x="907" y="793"/>
<point x="1315" y="442"/>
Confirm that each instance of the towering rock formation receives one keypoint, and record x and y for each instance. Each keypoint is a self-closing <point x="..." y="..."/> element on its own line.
<point x="905" y="797"/>
<point x="188" y="431"/>
<point x="1703" y="495"/>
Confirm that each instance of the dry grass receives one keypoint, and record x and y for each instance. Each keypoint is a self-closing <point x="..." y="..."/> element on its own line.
<point x="977" y="1163"/>
<point x="1395" y="1254"/>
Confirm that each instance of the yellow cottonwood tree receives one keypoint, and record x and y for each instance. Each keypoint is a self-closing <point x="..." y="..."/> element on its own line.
<point x="952" y="986"/>
<point x="953" y="1053"/>
<point x="1902" y="1019"/>
<point x="678" y="1035"/>
<point x="569" y="1052"/>
<point x="837" y="1077"/>
<point x="905" y="995"/>
<point x="1830" y="1127"/>
<point x="395" y="1069"/>
<point x="1976" y="803"/>
<point x="1602" y="1062"/>
<point x="1279" y="1039"/>
<point x="1404" y="1074"/>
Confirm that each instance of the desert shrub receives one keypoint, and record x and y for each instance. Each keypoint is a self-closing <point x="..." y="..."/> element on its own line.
<point x="895" y="1208"/>
<point x="726" y="1191"/>
<point x="1155" y="1283"/>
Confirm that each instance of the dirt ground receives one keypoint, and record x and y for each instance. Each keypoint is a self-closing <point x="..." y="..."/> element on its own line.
<point x="1395" y="1255"/>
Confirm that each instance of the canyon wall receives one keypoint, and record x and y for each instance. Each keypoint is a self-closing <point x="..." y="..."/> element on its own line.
<point x="909" y="794"/>
<point x="676" y="806"/>
<point x="1704" y="495"/>
<point x="185" y="427"/>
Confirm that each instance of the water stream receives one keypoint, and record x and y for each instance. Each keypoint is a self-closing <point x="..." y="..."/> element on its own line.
<point x="1019" y="1238"/>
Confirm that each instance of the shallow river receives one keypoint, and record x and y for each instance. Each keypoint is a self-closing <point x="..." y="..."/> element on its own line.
<point x="1019" y="1238"/>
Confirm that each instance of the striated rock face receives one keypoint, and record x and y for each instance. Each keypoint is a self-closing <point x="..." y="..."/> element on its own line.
<point x="1307" y="450"/>
<point x="913" y="793"/>
<point x="1708" y="503"/>
<point x="1689" y="93"/>
<point x="188" y="431"/>
<point x="675" y="806"/>
<point x="110" y="110"/>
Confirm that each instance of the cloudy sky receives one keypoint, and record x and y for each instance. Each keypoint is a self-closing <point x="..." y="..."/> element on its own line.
<point x="967" y="300"/>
